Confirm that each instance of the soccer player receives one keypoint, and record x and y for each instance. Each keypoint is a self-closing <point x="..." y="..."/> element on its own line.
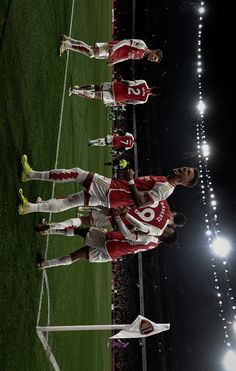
<point x="149" y="220"/>
<point x="117" y="93"/>
<point x="102" y="191"/>
<point x="102" y="246"/>
<point x="113" y="51"/>
<point x="125" y="141"/>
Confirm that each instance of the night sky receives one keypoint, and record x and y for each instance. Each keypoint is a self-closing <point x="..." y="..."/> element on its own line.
<point x="166" y="133"/>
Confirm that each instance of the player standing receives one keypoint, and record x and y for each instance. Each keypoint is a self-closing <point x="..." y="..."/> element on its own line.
<point x="113" y="51"/>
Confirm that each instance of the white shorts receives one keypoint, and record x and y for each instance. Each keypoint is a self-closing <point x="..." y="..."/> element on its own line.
<point x="103" y="50"/>
<point x="107" y="93"/>
<point x="95" y="239"/>
<point x="99" y="191"/>
<point x="99" y="219"/>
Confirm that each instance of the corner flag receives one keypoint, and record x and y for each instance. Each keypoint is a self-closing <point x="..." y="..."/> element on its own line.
<point x="141" y="327"/>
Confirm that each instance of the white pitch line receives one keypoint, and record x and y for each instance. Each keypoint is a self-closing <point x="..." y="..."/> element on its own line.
<point x="48" y="350"/>
<point x="56" y="161"/>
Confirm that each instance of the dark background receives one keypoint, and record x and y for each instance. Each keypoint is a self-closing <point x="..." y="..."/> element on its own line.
<point x="179" y="281"/>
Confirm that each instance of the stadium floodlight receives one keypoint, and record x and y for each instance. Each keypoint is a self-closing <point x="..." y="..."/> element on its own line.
<point x="229" y="361"/>
<point x="221" y="247"/>
<point x="201" y="106"/>
<point x="201" y="10"/>
<point x="205" y="150"/>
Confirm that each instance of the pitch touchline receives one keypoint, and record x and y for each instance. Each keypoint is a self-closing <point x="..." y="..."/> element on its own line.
<point x="56" y="161"/>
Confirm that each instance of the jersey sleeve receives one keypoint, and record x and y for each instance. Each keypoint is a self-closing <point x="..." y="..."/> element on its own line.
<point x="129" y="135"/>
<point x="136" y="82"/>
<point x="160" y="191"/>
<point x="135" y="102"/>
<point x="139" y="44"/>
<point x="124" y="230"/>
<point x="155" y="231"/>
<point x="137" y="224"/>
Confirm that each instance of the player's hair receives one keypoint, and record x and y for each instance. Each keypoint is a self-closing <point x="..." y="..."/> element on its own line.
<point x="194" y="181"/>
<point x="156" y="90"/>
<point x="160" y="54"/>
<point x="179" y="219"/>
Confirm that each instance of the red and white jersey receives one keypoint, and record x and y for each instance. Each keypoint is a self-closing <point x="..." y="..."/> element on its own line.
<point x="123" y="141"/>
<point x="151" y="220"/>
<point x="155" y="218"/>
<point x="126" y="49"/>
<point x="118" y="246"/>
<point x="130" y="92"/>
<point x="157" y="188"/>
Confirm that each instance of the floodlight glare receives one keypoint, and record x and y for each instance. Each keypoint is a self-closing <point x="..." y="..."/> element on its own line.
<point x="201" y="106"/>
<point x="201" y="10"/>
<point x="230" y="360"/>
<point x="221" y="247"/>
<point x="205" y="150"/>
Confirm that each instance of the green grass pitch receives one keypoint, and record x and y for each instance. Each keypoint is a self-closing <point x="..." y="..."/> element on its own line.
<point x="31" y="90"/>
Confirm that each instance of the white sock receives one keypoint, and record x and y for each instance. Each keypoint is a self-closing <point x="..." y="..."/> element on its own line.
<point x="56" y="205"/>
<point x="65" y="228"/>
<point x="100" y="142"/>
<point x="66" y="260"/>
<point x="84" y="92"/>
<point x="79" y="47"/>
<point x="60" y="175"/>
<point x="62" y="232"/>
<point x="70" y="224"/>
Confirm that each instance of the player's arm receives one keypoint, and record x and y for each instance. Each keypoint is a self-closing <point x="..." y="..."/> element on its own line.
<point x="128" y="235"/>
<point x="160" y="191"/>
<point x="137" y="224"/>
<point x="139" y="198"/>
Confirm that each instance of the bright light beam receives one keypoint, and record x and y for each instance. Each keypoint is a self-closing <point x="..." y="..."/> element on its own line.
<point x="230" y="361"/>
<point x="205" y="150"/>
<point x="201" y="106"/>
<point x="221" y="247"/>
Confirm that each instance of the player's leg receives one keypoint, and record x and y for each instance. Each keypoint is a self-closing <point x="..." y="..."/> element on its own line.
<point x="57" y="175"/>
<point x="65" y="228"/>
<point x="105" y="93"/>
<point x="81" y="254"/>
<point x="86" y="91"/>
<point x="99" y="142"/>
<point x="67" y="43"/>
<point x="54" y="205"/>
